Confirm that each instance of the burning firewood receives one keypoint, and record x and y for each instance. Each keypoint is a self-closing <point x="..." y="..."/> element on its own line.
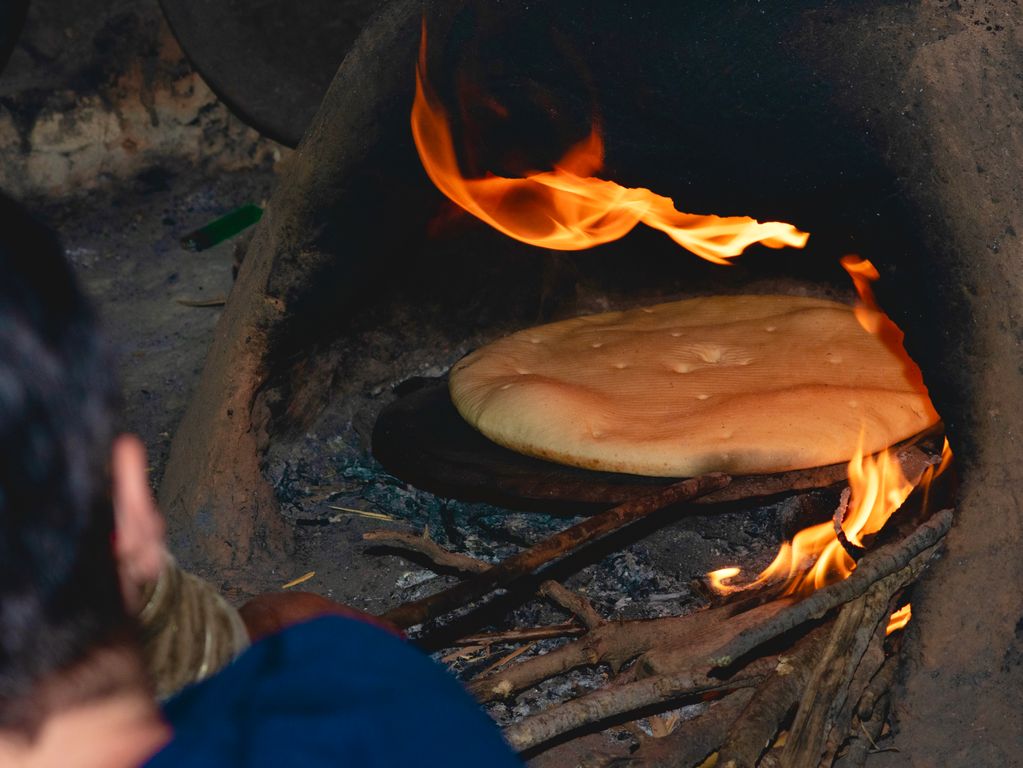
<point x="686" y="658"/>
<point x="836" y="672"/>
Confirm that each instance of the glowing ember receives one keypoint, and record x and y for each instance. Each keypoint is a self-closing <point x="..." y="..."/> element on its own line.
<point x="719" y="577"/>
<point x="569" y="209"/>
<point x="899" y="619"/>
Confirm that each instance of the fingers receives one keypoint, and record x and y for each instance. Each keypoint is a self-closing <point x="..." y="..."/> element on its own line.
<point x="140" y="530"/>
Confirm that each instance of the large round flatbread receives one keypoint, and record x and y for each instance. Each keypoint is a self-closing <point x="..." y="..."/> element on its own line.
<point x="739" y="384"/>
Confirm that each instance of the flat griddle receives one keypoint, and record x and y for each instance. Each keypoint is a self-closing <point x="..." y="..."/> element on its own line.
<point x="422" y="439"/>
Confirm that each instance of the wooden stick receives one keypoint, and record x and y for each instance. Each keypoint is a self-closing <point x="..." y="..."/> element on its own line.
<point x="556" y="546"/>
<point x="565" y="598"/>
<point x="854" y="552"/>
<point x="443" y="558"/>
<point x="879" y="685"/>
<point x="665" y="646"/>
<point x="572" y="602"/>
<point x="912" y="459"/>
<point x="886" y="560"/>
<point x="427" y="547"/>
<point x="863" y="740"/>
<point x="691" y="741"/>
<point x="670" y="644"/>
<point x="844" y="718"/>
<point x="613" y="643"/>
<point x="754" y="728"/>
<point x="510" y="657"/>
<point x="745" y="631"/>
<point x="606" y="703"/>
<point x="522" y="635"/>
<point x="827" y="690"/>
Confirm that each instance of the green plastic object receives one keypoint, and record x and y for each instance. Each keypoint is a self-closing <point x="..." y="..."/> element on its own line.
<point x="219" y="230"/>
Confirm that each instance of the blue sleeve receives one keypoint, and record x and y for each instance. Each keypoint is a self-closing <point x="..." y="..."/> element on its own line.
<point x="331" y="692"/>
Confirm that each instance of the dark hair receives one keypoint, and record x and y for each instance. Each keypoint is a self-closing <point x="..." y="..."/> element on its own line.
<point x="59" y="592"/>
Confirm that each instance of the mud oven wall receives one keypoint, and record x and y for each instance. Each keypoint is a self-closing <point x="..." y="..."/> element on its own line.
<point x="891" y="129"/>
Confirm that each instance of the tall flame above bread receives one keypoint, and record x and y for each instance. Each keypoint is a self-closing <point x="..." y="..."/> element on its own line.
<point x="568" y="208"/>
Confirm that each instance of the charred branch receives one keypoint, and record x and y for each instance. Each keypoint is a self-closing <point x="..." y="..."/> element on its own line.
<point x="880" y="684"/>
<point x="602" y="705"/>
<point x="691" y="741"/>
<point x="670" y="644"/>
<point x="443" y="559"/>
<point x="552" y="548"/>
<point x="755" y="727"/>
<point x="823" y="704"/>
<point x="526" y="635"/>
<point x="912" y="458"/>
<point x="572" y="602"/>
<point x="906" y="558"/>
<point x="864" y="737"/>
<point x="439" y="557"/>
<point x="832" y="673"/>
<point x="845" y="720"/>
<point x="614" y="643"/>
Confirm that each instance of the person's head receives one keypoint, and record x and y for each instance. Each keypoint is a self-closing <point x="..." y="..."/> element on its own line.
<point x="61" y="595"/>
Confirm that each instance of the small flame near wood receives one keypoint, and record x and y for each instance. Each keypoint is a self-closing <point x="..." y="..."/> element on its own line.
<point x="815" y="557"/>
<point x="899" y="619"/>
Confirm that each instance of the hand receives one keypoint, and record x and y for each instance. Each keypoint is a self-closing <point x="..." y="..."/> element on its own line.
<point x="138" y="526"/>
<point x="273" y="611"/>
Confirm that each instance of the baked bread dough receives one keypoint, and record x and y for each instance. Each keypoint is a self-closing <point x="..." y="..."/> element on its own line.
<point x="738" y="384"/>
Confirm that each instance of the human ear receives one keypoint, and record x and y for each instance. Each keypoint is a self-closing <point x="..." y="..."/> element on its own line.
<point x="139" y="528"/>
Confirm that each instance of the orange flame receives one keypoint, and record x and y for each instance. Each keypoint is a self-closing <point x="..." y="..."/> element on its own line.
<point x="932" y="473"/>
<point x="899" y="619"/>
<point x="815" y="557"/>
<point x="873" y="319"/>
<point x="878" y="489"/>
<point x="718" y="578"/>
<point x="567" y="208"/>
<point x="863" y="273"/>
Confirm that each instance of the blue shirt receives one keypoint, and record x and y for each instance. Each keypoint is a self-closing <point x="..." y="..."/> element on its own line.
<point x="331" y="692"/>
